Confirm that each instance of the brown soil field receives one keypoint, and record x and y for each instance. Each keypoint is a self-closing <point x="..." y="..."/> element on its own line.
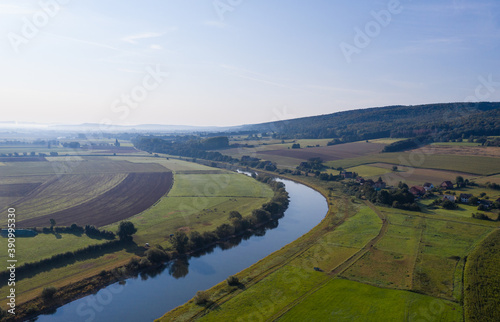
<point x="419" y="176"/>
<point x="481" y="151"/>
<point x="22" y="159"/>
<point x="330" y="153"/>
<point x="133" y="195"/>
<point x="17" y="189"/>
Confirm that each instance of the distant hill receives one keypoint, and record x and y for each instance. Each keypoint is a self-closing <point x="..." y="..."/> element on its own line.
<point x="443" y="121"/>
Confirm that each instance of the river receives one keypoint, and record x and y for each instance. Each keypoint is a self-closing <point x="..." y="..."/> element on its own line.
<point x="149" y="296"/>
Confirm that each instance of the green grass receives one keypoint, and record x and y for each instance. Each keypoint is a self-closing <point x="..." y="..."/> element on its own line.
<point x="218" y="185"/>
<point x="461" y="163"/>
<point x="368" y="171"/>
<point x="342" y="300"/>
<point x="482" y="281"/>
<point x="279" y="289"/>
<point x="443" y="243"/>
<point x="338" y="245"/>
<point x="45" y="245"/>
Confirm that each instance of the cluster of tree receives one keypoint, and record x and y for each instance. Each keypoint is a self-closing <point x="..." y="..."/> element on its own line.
<point x="94" y="232"/>
<point x="407" y="144"/>
<point x="312" y="164"/>
<point x="444" y="122"/>
<point x="71" y="145"/>
<point x="329" y="177"/>
<point x="482" y="216"/>
<point x="73" y="229"/>
<point x="399" y="197"/>
<point x="193" y="148"/>
<point x="296" y="146"/>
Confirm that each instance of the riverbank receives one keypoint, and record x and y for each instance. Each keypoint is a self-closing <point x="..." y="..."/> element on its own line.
<point x="339" y="209"/>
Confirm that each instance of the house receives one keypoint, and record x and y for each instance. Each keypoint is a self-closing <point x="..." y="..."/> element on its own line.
<point x="428" y="186"/>
<point x="346" y="174"/>
<point x="450" y="198"/>
<point x="417" y="191"/>
<point x="465" y="197"/>
<point x="485" y="203"/>
<point x="447" y="185"/>
<point x="360" y="180"/>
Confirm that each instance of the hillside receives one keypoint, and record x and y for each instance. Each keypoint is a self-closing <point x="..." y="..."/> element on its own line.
<point x="447" y="121"/>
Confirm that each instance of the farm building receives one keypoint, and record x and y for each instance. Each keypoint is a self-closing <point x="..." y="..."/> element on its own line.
<point x="346" y="174"/>
<point x="428" y="186"/>
<point x="447" y="185"/>
<point x="485" y="203"/>
<point x="417" y="191"/>
<point x="450" y="198"/>
<point x="465" y="197"/>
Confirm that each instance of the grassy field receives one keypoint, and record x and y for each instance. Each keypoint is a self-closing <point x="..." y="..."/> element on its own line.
<point x="45" y="245"/>
<point x="367" y="171"/>
<point x="343" y="300"/>
<point x="482" y="282"/>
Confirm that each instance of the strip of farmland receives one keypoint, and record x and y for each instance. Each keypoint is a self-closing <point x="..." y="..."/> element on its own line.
<point x="136" y="193"/>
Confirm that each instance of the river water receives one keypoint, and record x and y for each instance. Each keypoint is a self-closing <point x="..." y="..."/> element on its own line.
<point x="152" y="294"/>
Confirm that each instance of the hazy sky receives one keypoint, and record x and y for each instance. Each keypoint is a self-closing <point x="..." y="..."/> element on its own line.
<point x="230" y="62"/>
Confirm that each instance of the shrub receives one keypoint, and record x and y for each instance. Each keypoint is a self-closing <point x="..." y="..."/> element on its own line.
<point x="232" y="280"/>
<point x="156" y="256"/>
<point x="48" y="293"/>
<point x="201" y="297"/>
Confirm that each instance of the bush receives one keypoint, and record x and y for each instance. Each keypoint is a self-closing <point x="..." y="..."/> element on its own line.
<point x="201" y="297"/>
<point x="48" y="293"/>
<point x="232" y="281"/>
<point x="156" y="256"/>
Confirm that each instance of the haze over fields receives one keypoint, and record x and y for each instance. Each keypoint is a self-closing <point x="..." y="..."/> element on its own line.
<point x="225" y="63"/>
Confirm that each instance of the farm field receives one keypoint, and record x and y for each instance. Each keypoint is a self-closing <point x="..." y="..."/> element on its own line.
<point x="460" y="163"/>
<point x="416" y="176"/>
<point x="134" y="194"/>
<point x="329" y="153"/>
<point x="481" y="296"/>
<point x="203" y="199"/>
<point x="63" y="192"/>
<point x="343" y="300"/>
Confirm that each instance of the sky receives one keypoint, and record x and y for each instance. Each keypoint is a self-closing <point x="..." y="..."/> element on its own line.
<point x="233" y="62"/>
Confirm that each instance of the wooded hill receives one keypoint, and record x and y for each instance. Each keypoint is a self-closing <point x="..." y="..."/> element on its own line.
<point x="443" y="121"/>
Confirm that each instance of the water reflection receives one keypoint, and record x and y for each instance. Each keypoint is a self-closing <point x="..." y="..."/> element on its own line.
<point x="179" y="268"/>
